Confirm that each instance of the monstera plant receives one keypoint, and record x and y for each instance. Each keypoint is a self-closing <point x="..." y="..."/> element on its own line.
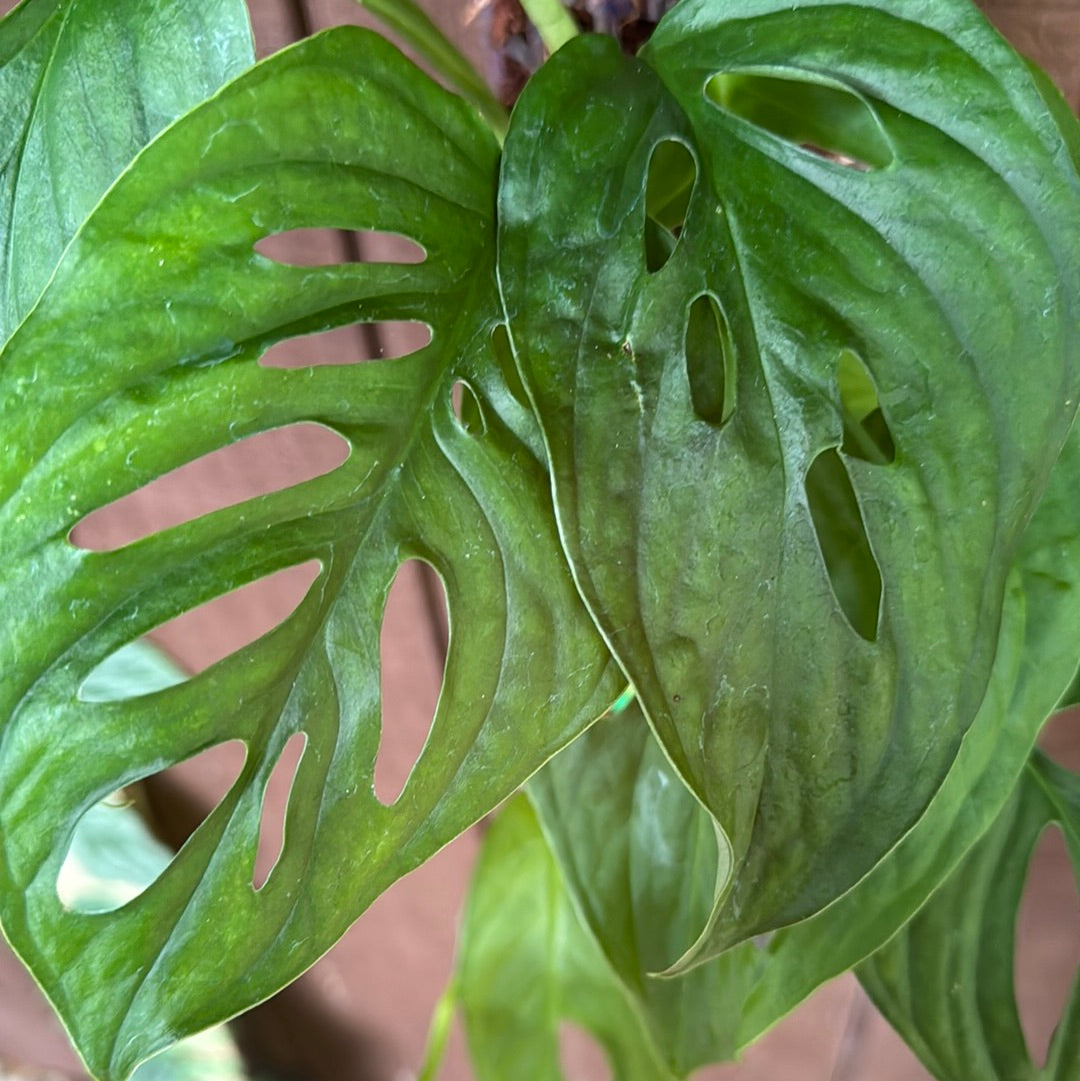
<point x="756" y="521"/>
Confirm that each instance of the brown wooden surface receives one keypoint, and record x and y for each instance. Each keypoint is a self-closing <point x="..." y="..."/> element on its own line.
<point x="362" y="1011"/>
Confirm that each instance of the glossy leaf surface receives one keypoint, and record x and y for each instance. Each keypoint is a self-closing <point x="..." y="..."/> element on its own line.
<point x="946" y="981"/>
<point x="640" y="861"/>
<point x="84" y="85"/>
<point x="143" y="354"/>
<point x="114" y="854"/>
<point x="527" y="966"/>
<point x="815" y="736"/>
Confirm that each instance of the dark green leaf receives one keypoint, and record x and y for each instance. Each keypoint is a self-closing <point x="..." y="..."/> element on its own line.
<point x="84" y="85"/>
<point x="143" y="354"/>
<point x="948" y="270"/>
<point x="639" y="859"/>
<point x="527" y="965"/>
<point x="946" y="981"/>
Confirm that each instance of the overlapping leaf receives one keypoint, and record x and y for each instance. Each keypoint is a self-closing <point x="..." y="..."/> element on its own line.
<point x="725" y="529"/>
<point x="946" y="981"/>
<point x="527" y="966"/>
<point x="638" y="856"/>
<point x="143" y="354"/>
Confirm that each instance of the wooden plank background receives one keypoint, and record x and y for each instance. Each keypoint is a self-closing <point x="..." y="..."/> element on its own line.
<point x="361" y="1013"/>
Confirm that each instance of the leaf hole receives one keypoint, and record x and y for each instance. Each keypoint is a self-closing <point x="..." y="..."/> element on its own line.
<point x="669" y="184"/>
<point x="132" y="671"/>
<point x="333" y="247"/>
<point x="1047" y="956"/>
<point x="710" y="361"/>
<point x="275" y="803"/>
<point x="209" y="632"/>
<point x="351" y="344"/>
<point x="581" y="1055"/>
<point x="411" y="662"/>
<point x="257" y="465"/>
<point x="467" y="408"/>
<point x="866" y="431"/>
<point x="819" y="116"/>
<point x="845" y="546"/>
<point x="114" y="856"/>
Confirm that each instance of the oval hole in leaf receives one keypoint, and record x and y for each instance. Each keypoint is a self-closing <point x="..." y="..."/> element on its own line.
<point x="668" y="186"/>
<point x="275" y="803"/>
<point x="332" y="247"/>
<point x="257" y="465"/>
<point x="845" y="547"/>
<point x="212" y="631"/>
<point x="866" y="431"/>
<point x="710" y="361"/>
<point x="410" y="673"/>
<point x="818" y="115"/>
<point x="113" y="856"/>
<point x="1047" y="954"/>
<point x="581" y="1056"/>
<point x="467" y="408"/>
<point x="352" y="344"/>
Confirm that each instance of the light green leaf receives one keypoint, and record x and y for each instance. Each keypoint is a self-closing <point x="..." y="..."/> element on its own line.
<point x="635" y="845"/>
<point x="526" y="966"/>
<point x="1072" y="695"/>
<point x="84" y="85"/>
<point x="729" y="540"/>
<point x="946" y="981"/>
<point x="143" y="354"/>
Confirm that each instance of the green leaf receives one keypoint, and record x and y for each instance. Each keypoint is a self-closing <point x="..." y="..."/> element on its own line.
<point x="143" y="354"/>
<point x="526" y="965"/>
<point x="1072" y="695"/>
<point x="814" y="732"/>
<point x="946" y="981"/>
<point x="635" y="845"/>
<point x="84" y="85"/>
<point x="640" y="861"/>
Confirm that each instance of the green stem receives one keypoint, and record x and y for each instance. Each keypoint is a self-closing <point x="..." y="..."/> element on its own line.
<point x="554" y="23"/>
<point x="412" y="24"/>
<point x="439" y="1032"/>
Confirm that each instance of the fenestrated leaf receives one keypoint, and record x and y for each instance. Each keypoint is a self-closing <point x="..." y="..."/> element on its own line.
<point x="638" y="856"/>
<point x="113" y="854"/>
<point x="84" y="85"/>
<point x="526" y="965"/>
<point x="950" y="270"/>
<point x="143" y="354"/>
<point x="946" y="981"/>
